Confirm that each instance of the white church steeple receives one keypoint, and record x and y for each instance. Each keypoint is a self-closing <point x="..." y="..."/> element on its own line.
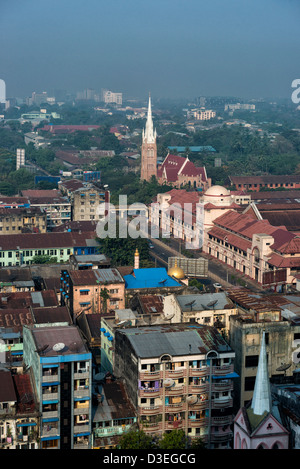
<point x="261" y="400"/>
<point x="149" y="135"/>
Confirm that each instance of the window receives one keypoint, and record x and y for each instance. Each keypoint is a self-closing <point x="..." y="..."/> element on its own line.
<point x="251" y="361"/>
<point x="249" y="383"/>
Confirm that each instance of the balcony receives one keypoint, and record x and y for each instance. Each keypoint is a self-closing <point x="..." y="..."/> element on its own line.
<point x="175" y="374"/>
<point x="82" y="392"/>
<point x="82" y="374"/>
<point x="152" y="427"/>
<point x="151" y="410"/>
<point x="221" y="403"/>
<point x="198" y="389"/>
<point x="150" y="375"/>
<point x="48" y="396"/>
<point x="198" y="372"/>
<point x="150" y="392"/>
<point x="175" y="390"/>
<point x="81" y="429"/>
<point x="48" y="431"/>
<point x="222" y="387"/>
<point x="222" y="370"/>
<point x="226" y="420"/>
<point x="81" y="410"/>
<point x="196" y="423"/>
<point x="49" y="414"/>
<point x="181" y="406"/>
<point x="174" y="424"/>
<point x="217" y="437"/>
<point x="200" y="405"/>
<point x="50" y="378"/>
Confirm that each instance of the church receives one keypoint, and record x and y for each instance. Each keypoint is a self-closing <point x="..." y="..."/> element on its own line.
<point x="176" y="171"/>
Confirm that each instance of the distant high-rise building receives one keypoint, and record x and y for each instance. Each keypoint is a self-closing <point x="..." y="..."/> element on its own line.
<point x="2" y="92"/>
<point x="109" y="97"/>
<point x="149" y="149"/>
<point x="20" y="158"/>
<point x="39" y="98"/>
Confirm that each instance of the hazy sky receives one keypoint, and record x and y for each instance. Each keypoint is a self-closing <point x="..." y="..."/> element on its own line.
<point x="172" y="48"/>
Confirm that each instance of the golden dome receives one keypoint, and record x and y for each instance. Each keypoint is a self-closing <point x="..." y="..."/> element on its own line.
<point x="176" y="271"/>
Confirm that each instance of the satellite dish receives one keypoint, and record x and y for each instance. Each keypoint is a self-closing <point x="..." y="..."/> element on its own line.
<point x="169" y="315"/>
<point x="192" y="399"/>
<point x="212" y="303"/>
<point x="58" y="347"/>
<point x="168" y="382"/>
<point x="283" y="367"/>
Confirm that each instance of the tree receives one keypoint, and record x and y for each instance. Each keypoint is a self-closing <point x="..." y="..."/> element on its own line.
<point x="175" y="439"/>
<point x="104" y="295"/>
<point x="136" y="439"/>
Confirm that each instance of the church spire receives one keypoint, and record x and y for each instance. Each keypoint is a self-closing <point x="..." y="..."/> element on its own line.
<point x="149" y="135"/>
<point x="261" y="401"/>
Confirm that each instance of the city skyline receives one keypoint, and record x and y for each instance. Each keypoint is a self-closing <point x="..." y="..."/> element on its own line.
<point x="173" y="48"/>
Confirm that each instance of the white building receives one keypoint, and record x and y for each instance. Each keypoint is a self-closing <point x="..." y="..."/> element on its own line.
<point x="2" y="92"/>
<point x="111" y="97"/>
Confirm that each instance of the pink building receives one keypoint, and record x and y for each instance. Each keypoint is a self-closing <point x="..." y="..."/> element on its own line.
<point x="83" y="290"/>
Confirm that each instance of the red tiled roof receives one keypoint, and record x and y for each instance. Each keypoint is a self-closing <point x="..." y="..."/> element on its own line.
<point x="230" y="238"/>
<point x="36" y="193"/>
<point x="45" y="240"/>
<point x="15" y="319"/>
<point x="283" y="262"/>
<point x="244" y="224"/>
<point x="173" y="164"/>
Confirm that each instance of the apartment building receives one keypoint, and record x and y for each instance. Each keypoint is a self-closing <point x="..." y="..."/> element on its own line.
<point x="278" y="318"/>
<point x="178" y="376"/>
<point x="61" y="365"/>
<point x="96" y="291"/>
<point x="22" y="220"/>
<point x="19" y="416"/>
<point x="86" y="199"/>
<point x="57" y="209"/>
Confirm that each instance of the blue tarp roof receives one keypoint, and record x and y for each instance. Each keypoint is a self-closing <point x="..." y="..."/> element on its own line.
<point x="149" y="278"/>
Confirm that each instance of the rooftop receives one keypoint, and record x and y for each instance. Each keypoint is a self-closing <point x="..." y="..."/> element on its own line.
<point x="68" y="337"/>
<point x="96" y="276"/>
<point x="175" y="340"/>
<point x="150" y="278"/>
<point x="205" y="301"/>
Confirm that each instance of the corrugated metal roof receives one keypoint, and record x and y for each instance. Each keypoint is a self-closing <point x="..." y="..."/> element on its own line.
<point x="201" y="302"/>
<point x="175" y="339"/>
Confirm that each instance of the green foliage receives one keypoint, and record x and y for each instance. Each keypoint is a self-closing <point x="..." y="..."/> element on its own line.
<point x="44" y="259"/>
<point x="121" y="250"/>
<point x="175" y="439"/>
<point x="136" y="439"/>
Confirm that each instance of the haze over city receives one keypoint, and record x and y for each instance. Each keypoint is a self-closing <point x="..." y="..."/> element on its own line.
<point x="173" y="48"/>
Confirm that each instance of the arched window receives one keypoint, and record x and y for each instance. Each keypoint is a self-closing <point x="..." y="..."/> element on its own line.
<point x="237" y="441"/>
